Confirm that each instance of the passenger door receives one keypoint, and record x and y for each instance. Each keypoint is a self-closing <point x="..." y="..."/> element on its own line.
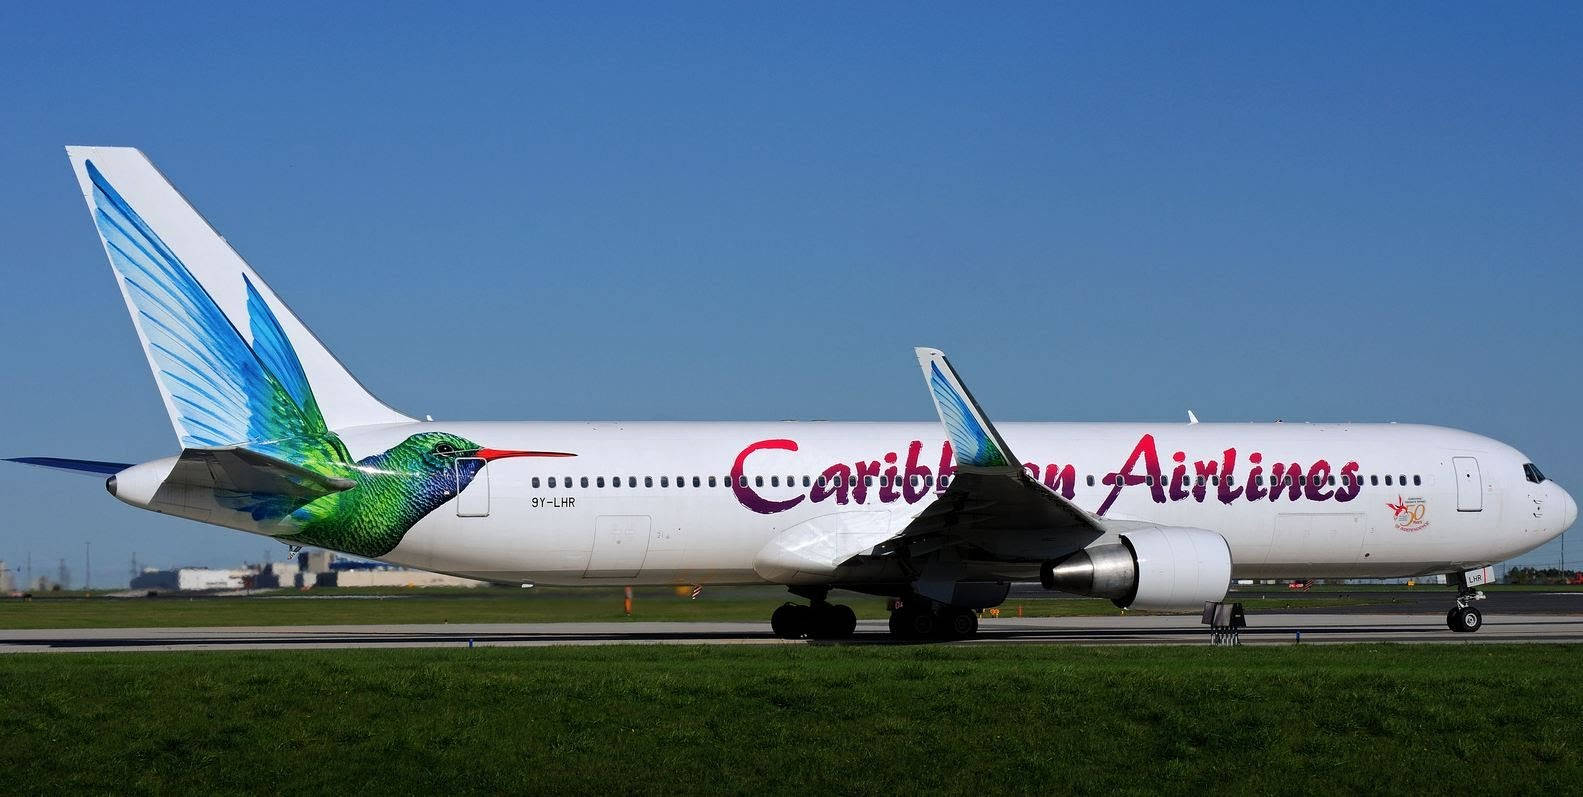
<point x="1470" y="487"/>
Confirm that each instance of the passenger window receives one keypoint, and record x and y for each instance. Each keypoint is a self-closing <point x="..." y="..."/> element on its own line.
<point x="775" y="481"/>
<point x="600" y="482"/>
<point x="665" y="481"/>
<point x="1374" y="481"/>
<point x="1417" y="481"/>
<point x="535" y="482"/>
<point x="711" y="481"/>
<point x="632" y="481"/>
<point x="552" y="482"/>
<point x="585" y="482"/>
<point x="758" y="481"/>
<point x="697" y="483"/>
<point x="868" y="481"/>
<point x="1387" y="480"/>
<point x="807" y="481"/>
<point x="1402" y="480"/>
<point x="928" y="481"/>
<point x="945" y="482"/>
<point x="742" y="481"/>
<point x="648" y="481"/>
<point x="1090" y="480"/>
<point x="1230" y="481"/>
<point x="1332" y="481"/>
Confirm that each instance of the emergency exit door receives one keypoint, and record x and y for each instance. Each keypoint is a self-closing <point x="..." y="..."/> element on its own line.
<point x="1470" y="488"/>
<point x="472" y="498"/>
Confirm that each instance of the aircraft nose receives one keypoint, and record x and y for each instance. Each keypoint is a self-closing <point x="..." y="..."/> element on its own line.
<point x="1570" y="512"/>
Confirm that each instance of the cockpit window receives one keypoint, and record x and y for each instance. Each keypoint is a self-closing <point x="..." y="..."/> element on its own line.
<point x="1532" y="472"/>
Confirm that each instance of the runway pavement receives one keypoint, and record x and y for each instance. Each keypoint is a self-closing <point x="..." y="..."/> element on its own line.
<point x="1265" y="629"/>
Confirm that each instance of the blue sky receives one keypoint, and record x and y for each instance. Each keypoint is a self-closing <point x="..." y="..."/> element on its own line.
<point x="734" y="211"/>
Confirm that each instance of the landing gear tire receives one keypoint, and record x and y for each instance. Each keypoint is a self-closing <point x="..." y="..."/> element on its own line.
<point x="913" y="623"/>
<point x="832" y="621"/>
<point x="958" y="623"/>
<point x="792" y="621"/>
<point x="1465" y="619"/>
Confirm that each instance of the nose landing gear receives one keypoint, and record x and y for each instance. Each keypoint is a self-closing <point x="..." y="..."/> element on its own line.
<point x="1464" y="617"/>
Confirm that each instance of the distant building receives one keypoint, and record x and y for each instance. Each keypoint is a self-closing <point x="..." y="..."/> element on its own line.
<point x="184" y="579"/>
<point x="306" y="570"/>
<point x="317" y="561"/>
<point x="394" y="577"/>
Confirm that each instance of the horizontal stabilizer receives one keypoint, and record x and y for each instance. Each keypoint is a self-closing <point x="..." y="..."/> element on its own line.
<point x="243" y="471"/>
<point x="89" y="467"/>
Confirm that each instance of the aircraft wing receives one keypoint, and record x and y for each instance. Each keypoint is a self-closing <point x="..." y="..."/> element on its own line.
<point x="991" y="502"/>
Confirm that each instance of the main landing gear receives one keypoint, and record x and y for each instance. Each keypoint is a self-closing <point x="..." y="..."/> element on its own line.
<point x="923" y="619"/>
<point x="819" y="619"/>
<point x="1463" y="617"/>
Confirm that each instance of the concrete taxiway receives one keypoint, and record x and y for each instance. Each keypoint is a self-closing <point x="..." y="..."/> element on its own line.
<point x="1265" y="629"/>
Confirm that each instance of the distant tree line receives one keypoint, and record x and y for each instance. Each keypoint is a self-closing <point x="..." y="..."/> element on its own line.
<point x="1538" y="575"/>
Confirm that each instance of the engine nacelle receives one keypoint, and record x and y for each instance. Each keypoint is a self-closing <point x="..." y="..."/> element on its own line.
<point x="1152" y="568"/>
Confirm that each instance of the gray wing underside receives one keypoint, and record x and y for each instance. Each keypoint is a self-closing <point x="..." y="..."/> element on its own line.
<point x="998" y="516"/>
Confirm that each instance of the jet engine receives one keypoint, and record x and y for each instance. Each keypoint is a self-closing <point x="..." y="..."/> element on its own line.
<point x="1152" y="568"/>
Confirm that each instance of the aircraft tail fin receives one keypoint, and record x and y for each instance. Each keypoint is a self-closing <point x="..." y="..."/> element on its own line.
<point x="234" y="365"/>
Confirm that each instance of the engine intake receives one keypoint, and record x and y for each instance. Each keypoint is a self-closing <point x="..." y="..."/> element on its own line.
<point x="1153" y="568"/>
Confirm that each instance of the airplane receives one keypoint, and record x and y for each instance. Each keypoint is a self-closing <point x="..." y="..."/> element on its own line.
<point x="278" y="439"/>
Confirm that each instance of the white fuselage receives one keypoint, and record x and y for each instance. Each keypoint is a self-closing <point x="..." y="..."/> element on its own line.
<point x="1373" y="499"/>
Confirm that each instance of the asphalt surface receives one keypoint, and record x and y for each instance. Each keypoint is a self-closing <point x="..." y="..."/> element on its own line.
<point x="1380" y="601"/>
<point x="1265" y="629"/>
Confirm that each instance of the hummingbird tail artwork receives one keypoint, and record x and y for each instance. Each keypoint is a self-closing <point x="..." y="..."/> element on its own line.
<point x="260" y="407"/>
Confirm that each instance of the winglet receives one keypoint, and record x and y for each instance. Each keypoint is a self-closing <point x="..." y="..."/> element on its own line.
<point x="973" y="438"/>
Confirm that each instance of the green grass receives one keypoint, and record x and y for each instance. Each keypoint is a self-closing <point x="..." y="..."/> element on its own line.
<point x="798" y="720"/>
<point x="333" y="607"/>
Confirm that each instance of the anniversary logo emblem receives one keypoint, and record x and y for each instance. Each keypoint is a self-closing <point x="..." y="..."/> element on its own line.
<point x="1409" y="513"/>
